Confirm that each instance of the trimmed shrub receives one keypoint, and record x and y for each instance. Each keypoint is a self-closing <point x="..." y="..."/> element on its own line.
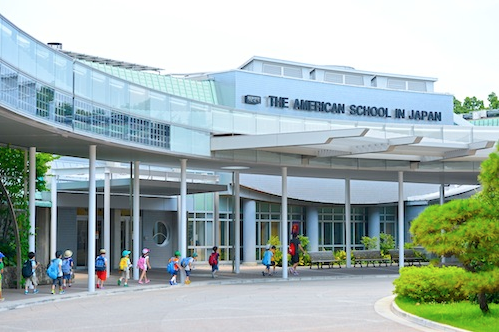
<point x="433" y="284"/>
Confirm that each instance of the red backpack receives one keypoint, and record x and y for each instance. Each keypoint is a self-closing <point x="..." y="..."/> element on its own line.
<point x="292" y="249"/>
<point x="213" y="259"/>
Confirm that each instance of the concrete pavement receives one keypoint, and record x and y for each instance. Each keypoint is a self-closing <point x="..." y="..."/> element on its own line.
<point x="354" y="299"/>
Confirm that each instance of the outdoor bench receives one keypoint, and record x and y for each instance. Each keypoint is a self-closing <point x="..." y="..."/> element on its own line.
<point x="323" y="257"/>
<point x="369" y="256"/>
<point x="410" y="256"/>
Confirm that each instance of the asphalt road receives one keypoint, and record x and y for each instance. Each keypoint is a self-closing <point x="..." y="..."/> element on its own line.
<point x="341" y="304"/>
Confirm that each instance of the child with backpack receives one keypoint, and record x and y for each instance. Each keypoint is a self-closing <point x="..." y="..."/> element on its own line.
<point x="144" y="265"/>
<point x="125" y="266"/>
<point x="267" y="259"/>
<point x="173" y="267"/>
<point x="213" y="261"/>
<point x="100" y="268"/>
<point x="54" y="272"/>
<point x="29" y="273"/>
<point x="188" y="264"/>
<point x="67" y="269"/>
<point x="1" y="273"/>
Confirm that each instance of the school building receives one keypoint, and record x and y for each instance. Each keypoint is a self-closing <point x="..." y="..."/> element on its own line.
<point x="232" y="158"/>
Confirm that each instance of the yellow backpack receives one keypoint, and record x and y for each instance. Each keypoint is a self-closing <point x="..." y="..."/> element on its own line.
<point x="124" y="264"/>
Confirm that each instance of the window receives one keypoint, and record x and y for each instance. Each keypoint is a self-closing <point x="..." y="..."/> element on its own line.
<point x="160" y="233"/>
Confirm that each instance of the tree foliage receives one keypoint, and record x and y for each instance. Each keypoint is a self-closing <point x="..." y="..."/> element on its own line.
<point x="471" y="104"/>
<point x="467" y="229"/>
<point x="14" y="174"/>
<point x="493" y="101"/>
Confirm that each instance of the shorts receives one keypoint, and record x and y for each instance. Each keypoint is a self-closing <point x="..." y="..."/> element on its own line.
<point x="32" y="281"/>
<point x="102" y="275"/>
<point x="187" y="272"/>
<point x="295" y="259"/>
<point x="66" y="276"/>
<point x="125" y="274"/>
<point x="272" y="263"/>
<point x="214" y="268"/>
<point x="57" y="281"/>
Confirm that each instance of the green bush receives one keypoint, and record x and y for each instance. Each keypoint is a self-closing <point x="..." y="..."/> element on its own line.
<point x="432" y="284"/>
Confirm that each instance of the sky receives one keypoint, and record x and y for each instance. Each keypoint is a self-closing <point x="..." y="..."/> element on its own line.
<point x="455" y="41"/>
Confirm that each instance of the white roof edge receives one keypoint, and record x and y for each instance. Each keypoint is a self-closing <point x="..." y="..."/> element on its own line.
<point x="338" y="68"/>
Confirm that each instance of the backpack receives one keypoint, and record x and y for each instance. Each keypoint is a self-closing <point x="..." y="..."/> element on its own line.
<point x="184" y="262"/>
<point x="27" y="270"/>
<point x="170" y="268"/>
<point x="292" y="249"/>
<point x="53" y="270"/>
<point x="213" y="259"/>
<point x="66" y="265"/>
<point x="266" y="257"/>
<point x="141" y="264"/>
<point x="124" y="264"/>
<point x="100" y="264"/>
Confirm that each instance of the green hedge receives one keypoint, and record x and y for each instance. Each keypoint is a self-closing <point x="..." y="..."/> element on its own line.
<point x="433" y="284"/>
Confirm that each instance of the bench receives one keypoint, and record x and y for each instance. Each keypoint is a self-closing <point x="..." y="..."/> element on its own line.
<point x="410" y="256"/>
<point x="322" y="257"/>
<point x="369" y="256"/>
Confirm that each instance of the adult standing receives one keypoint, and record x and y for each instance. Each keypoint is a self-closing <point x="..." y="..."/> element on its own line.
<point x="295" y="246"/>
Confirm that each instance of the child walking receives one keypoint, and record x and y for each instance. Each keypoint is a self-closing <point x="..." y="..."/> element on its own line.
<point x="100" y="268"/>
<point x="272" y="259"/>
<point x="188" y="265"/>
<point x="125" y="266"/>
<point x="32" y="281"/>
<point x="173" y="267"/>
<point x="1" y="273"/>
<point x="67" y="269"/>
<point x="267" y="260"/>
<point x="55" y="272"/>
<point x="213" y="261"/>
<point x="144" y="265"/>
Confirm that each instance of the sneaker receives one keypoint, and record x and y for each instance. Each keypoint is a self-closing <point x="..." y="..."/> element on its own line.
<point x="101" y="287"/>
<point x="61" y="292"/>
<point x="25" y="292"/>
<point x="148" y="281"/>
<point x="35" y="291"/>
<point x="171" y="282"/>
<point x="175" y="283"/>
<point x="53" y="291"/>
<point x="98" y="286"/>
<point x="187" y="282"/>
<point x="141" y="282"/>
<point x="119" y="282"/>
<point x="291" y="270"/>
<point x="295" y="273"/>
<point x="125" y="285"/>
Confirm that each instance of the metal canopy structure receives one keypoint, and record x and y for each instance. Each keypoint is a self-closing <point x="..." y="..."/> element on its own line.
<point x="358" y="153"/>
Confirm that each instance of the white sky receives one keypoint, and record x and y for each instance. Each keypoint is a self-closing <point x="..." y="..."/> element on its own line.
<point x="455" y="41"/>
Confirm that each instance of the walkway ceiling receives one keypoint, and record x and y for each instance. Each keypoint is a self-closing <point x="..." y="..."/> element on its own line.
<point x="362" y="147"/>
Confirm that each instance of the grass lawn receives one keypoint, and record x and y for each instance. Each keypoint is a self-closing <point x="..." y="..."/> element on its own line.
<point x="464" y="315"/>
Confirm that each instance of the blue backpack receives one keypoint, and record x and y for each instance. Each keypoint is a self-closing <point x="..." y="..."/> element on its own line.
<point x="100" y="264"/>
<point x="53" y="270"/>
<point x="170" y="268"/>
<point x="184" y="262"/>
<point x="66" y="265"/>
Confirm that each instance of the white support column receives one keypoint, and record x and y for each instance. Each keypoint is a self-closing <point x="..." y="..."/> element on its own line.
<point x="53" y="215"/>
<point x="313" y="227"/>
<point x="348" y="227"/>
<point x="249" y="231"/>
<point x="216" y="219"/>
<point x="182" y="227"/>
<point x="32" y="199"/>
<point x="92" y="211"/>
<point x="442" y="201"/>
<point x="136" y="217"/>
<point x="237" y="226"/>
<point x="107" y="218"/>
<point x="284" y="221"/>
<point x="401" y="220"/>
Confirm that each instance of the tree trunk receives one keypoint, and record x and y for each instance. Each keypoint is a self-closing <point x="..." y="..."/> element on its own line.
<point x="482" y="301"/>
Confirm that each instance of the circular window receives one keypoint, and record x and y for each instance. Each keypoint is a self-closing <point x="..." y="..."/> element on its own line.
<point x="161" y="233"/>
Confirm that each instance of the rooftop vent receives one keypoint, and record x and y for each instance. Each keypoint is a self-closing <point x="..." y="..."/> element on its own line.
<point x="56" y="46"/>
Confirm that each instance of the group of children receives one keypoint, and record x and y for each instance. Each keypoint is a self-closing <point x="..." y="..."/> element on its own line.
<point x="60" y="269"/>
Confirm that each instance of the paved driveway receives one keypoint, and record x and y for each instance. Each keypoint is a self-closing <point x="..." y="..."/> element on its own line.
<point x="341" y="304"/>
